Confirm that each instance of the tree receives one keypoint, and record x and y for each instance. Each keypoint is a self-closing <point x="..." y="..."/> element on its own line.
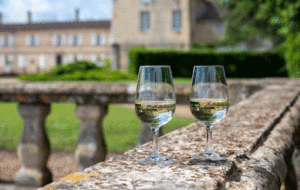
<point x="279" y="20"/>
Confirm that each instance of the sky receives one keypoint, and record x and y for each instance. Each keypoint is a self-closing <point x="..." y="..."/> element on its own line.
<point x="15" y="11"/>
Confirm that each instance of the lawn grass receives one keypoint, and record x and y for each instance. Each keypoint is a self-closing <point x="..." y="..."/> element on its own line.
<point x="121" y="127"/>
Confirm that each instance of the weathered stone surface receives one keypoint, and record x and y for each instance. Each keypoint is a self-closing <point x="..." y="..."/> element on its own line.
<point x="101" y="93"/>
<point x="34" y="147"/>
<point x="255" y="135"/>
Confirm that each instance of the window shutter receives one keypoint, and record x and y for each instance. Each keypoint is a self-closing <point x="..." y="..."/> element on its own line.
<point x="2" y="40"/>
<point x="36" y="40"/>
<point x="2" y="60"/>
<point x="93" y="39"/>
<point x="28" y="40"/>
<point x="43" y="63"/>
<point x="21" y="61"/>
<point x="71" y="39"/>
<point x="10" y="39"/>
<point x="54" y="40"/>
<point x="63" y="39"/>
<point x="79" y="38"/>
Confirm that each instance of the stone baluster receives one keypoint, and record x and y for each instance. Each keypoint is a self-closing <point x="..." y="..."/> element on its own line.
<point x="91" y="147"/>
<point x="34" y="148"/>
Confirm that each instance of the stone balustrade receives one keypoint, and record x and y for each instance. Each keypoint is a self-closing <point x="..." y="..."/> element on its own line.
<point x="258" y="135"/>
<point x="240" y="136"/>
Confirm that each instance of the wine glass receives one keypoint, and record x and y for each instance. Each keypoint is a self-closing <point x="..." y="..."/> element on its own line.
<point x="155" y="105"/>
<point x="209" y="102"/>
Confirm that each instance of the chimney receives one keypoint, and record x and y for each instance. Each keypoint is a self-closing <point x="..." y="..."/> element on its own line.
<point x="29" y="15"/>
<point x="0" y="18"/>
<point x="77" y="15"/>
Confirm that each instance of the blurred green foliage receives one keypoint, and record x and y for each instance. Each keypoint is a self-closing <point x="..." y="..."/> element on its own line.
<point x="80" y="71"/>
<point x="244" y="64"/>
<point x="278" y="20"/>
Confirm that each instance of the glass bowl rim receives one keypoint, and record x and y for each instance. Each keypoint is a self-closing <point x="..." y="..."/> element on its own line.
<point x="209" y="66"/>
<point x="155" y="66"/>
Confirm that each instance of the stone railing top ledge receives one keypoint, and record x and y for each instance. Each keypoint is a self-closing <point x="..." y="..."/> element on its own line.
<point x="86" y="88"/>
<point x="255" y="135"/>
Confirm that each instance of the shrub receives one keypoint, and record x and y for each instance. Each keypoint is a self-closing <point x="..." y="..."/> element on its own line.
<point x="236" y="64"/>
<point x="293" y="55"/>
<point x="80" y="71"/>
<point x="208" y="45"/>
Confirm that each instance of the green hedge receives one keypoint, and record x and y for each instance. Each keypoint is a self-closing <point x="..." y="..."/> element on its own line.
<point x="79" y="71"/>
<point x="236" y="64"/>
<point x="208" y="45"/>
<point x="293" y="55"/>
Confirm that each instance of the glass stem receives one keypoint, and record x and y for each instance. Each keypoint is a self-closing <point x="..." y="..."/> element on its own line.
<point x="155" y="152"/>
<point x="209" y="148"/>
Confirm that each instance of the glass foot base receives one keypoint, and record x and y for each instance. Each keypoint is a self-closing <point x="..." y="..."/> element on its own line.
<point x="210" y="157"/>
<point x="156" y="161"/>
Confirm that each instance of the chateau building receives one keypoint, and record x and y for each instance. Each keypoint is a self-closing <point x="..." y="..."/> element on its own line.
<point x="37" y="47"/>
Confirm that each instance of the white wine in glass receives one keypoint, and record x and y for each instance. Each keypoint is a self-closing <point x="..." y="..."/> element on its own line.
<point x="209" y="102"/>
<point x="155" y="105"/>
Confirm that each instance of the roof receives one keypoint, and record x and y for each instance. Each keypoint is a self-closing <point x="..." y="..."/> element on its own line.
<point x="105" y="24"/>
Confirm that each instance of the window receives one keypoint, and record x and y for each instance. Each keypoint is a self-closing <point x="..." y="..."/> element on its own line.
<point x="221" y="28"/>
<point x="94" y="58"/>
<point x="78" y="40"/>
<point x="6" y="41"/>
<point x="75" y="40"/>
<point x="32" y="40"/>
<point x="145" y="21"/>
<point x="2" y="60"/>
<point x="79" y="57"/>
<point x="111" y="39"/>
<point x="99" y="60"/>
<point x="177" y="21"/>
<point x="10" y="40"/>
<point x="2" y="40"/>
<point x="9" y="59"/>
<point x="59" y="40"/>
<point x="145" y="1"/>
<point x="98" y="40"/>
<point x="6" y="60"/>
<point x="21" y="61"/>
<point x="71" y="58"/>
<point x="42" y="61"/>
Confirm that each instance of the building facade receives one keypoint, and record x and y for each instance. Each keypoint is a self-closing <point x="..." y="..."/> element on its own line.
<point x="37" y="47"/>
<point x="164" y="24"/>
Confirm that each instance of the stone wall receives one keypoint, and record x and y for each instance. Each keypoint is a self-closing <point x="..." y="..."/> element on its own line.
<point x="256" y="135"/>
